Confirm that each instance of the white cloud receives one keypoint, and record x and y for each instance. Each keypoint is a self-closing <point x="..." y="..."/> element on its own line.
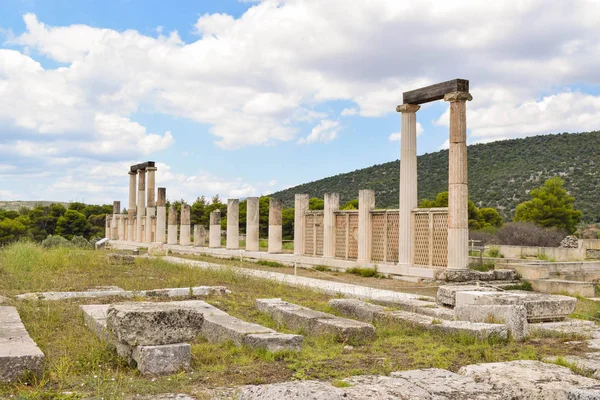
<point x="326" y="131"/>
<point x="395" y="137"/>
<point x="349" y="111"/>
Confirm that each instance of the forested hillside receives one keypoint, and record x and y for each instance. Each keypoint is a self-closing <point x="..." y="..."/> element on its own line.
<point x="501" y="174"/>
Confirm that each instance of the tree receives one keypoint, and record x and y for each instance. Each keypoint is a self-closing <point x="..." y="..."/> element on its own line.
<point x="551" y="206"/>
<point x="198" y="210"/>
<point x="479" y="218"/>
<point x="314" y="203"/>
<point x="350" y="205"/>
<point x="13" y="229"/>
<point x="73" y="223"/>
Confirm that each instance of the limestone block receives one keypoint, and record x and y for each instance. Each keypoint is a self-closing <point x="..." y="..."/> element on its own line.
<point x="582" y="328"/>
<point x="164" y="359"/>
<point x="573" y="288"/>
<point x="526" y="379"/>
<point x="18" y="352"/>
<point x="343" y="328"/>
<point x="459" y="275"/>
<point x="447" y="294"/>
<point x="356" y="309"/>
<point x="589" y="363"/>
<point x="146" y="324"/>
<point x="115" y="258"/>
<point x="219" y="328"/>
<point x="504" y="275"/>
<point x="513" y="316"/>
<point x="274" y="341"/>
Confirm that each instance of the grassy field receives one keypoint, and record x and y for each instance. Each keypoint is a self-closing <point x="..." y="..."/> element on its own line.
<point x="78" y="364"/>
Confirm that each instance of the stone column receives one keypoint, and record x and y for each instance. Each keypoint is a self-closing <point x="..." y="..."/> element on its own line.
<point x="458" y="191"/>
<point x="252" y="223"/>
<point x="332" y="203"/>
<point x="172" y="226"/>
<point x="300" y="207"/>
<point x="132" y="207"/>
<point x="114" y="226"/>
<point x="121" y="227"/>
<point x="408" y="182"/>
<point x="233" y="224"/>
<point x="275" y="226"/>
<point x="161" y="215"/>
<point x="366" y="203"/>
<point x="150" y="207"/>
<point x="141" y="204"/>
<point x="199" y="235"/>
<point x="214" y="239"/>
<point x="184" y="229"/>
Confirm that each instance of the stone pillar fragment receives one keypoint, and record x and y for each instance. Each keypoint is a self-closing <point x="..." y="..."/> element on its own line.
<point x="161" y="215"/>
<point x="172" y="226"/>
<point x="233" y="224"/>
<point x="300" y="207"/>
<point x="184" y="230"/>
<point x="366" y="203"/>
<point x="121" y="230"/>
<point x="131" y="211"/>
<point x="150" y="208"/>
<point x="199" y="235"/>
<point x="214" y="239"/>
<point x="458" y="191"/>
<point x="252" y="223"/>
<point x="275" y="226"/>
<point x="141" y="205"/>
<point x="408" y="182"/>
<point x="114" y="226"/>
<point x="332" y="204"/>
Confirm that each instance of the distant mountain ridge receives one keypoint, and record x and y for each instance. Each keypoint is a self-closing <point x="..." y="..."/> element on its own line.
<point x="501" y="174"/>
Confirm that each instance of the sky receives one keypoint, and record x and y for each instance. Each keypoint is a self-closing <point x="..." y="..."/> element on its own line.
<point x="243" y="98"/>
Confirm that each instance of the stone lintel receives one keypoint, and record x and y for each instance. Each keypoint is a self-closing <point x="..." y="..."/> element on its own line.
<point x="435" y="92"/>
<point x="142" y="166"/>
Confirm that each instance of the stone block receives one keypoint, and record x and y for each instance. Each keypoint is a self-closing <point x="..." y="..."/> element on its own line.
<point x="526" y="379"/>
<point x="458" y="275"/>
<point x="586" y="329"/>
<point x="220" y="328"/>
<point x="513" y="316"/>
<point x="504" y="275"/>
<point x="573" y="288"/>
<point x="4" y="300"/>
<point x="116" y="258"/>
<point x="356" y="309"/>
<point x="163" y="359"/>
<point x="446" y="295"/>
<point x="18" y="352"/>
<point x="274" y="341"/>
<point x="589" y="363"/>
<point x="147" y="324"/>
<point x="344" y="328"/>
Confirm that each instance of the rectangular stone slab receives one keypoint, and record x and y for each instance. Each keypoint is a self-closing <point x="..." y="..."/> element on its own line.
<point x="274" y="341"/>
<point x="316" y="322"/>
<point x="18" y="352"/>
<point x="220" y="328"/>
<point x="149" y="324"/>
<point x="164" y="359"/>
<point x="446" y="295"/>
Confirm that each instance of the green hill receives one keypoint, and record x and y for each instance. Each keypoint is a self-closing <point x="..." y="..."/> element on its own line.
<point x="17" y="204"/>
<point x="501" y="174"/>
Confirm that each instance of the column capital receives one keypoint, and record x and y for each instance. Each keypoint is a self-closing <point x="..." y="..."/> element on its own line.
<point x="132" y="172"/>
<point x="411" y="108"/>
<point x="458" y="96"/>
<point x="151" y="169"/>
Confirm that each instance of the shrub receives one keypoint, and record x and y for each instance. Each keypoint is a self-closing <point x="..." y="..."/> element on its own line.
<point x="80" y="242"/>
<point x="364" y="272"/>
<point x="322" y="268"/>
<point x="55" y="241"/>
<point x="271" y="264"/>
<point x="494" y="252"/>
<point x="485" y="267"/>
<point x="484" y="236"/>
<point x="529" y="234"/>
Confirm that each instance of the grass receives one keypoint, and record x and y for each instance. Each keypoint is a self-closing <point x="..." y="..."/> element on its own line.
<point x="365" y="272"/>
<point x="485" y="267"/>
<point x="271" y="264"/>
<point x="520" y="286"/>
<point x="80" y="363"/>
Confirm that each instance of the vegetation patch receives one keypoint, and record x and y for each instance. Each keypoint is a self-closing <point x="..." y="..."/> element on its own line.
<point x="520" y="286"/>
<point x="271" y="264"/>
<point x="485" y="267"/>
<point x="365" y="272"/>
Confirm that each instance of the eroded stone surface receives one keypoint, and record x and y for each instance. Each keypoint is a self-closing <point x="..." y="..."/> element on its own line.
<point x="164" y="359"/>
<point x="587" y="329"/>
<point x="513" y="316"/>
<point x="219" y="328"/>
<point x="116" y="292"/>
<point x="4" y="300"/>
<point x="590" y="363"/>
<point x="356" y="308"/>
<point x="116" y="258"/>
<point x="274" y="341"/>
<point x="147" y="324"/>
<point x="532" y="380"/>
<point x="447" y="294"/>
<point x="18" y="352"/>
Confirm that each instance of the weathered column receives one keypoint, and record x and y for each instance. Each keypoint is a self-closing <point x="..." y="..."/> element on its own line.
<point x="184" y="229"/>
<point x="172" y="226"/>
<point x="458" y="191"/>
<point x="366" y="203"/>
<point x="252" y="223"/>
<point x="332" y="204"/>
<point x="150" y="207"/>
<point x="131" y="211"/>
<point x="121" y="227"/>
<point x="114" y="226"/>
<point x="161" y="215"/>
<point x="233" y="224"/>
<point x="408" y="181"/>
<point x="125" y="222"/>
<point x="199" y="235"/>
<point x="300" y="207"/>
<point x="214" y="239"/>
<point x="275" y="226"/>
<point x="141" y="205"/>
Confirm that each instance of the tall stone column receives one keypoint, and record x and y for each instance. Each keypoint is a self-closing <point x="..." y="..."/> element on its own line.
<point x="252" y="223"/>
<point x="458" y="190"/>
<point x="332" y="204"/>
<point x="214" y="239"/>
<point x="161" y="215"/>
<point x="199" y="235"/>
<point x="141" y="205"/>
<point x="150" y="207"/>
<point x="121" y="227"/>
<point x="366" y="203"/>
<point x="131" y="211"/>
<point x="275" y="226"/>
<point x="408" y="182"/>
<point x="300" y="207"/>
<point x="172" y="226"/>
<point x="184" y="230"/>
<point x="233" y="224"/>
<point x="114" y="226"/>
